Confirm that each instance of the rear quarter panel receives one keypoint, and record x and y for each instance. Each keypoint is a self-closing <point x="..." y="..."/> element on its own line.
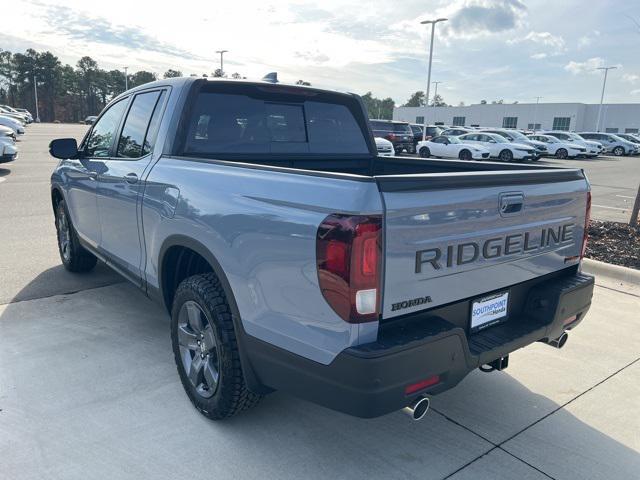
<point x="261" y="226"/>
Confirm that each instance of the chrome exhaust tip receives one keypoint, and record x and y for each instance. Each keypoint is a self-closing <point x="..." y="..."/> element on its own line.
<point x="418" y="408"/>
<point x="560" y="341"/>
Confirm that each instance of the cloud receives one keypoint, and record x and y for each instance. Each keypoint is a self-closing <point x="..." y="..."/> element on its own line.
<point x="555" y="43"/>
<point x="586" y="40"/>
<point x="539" y="56"/>
<point x="588" y="66"/>
<point x="631" y="77"/>
<point x="79" y="26"/>
<point x="473" y="18"/>
<point x="635" y="92"/>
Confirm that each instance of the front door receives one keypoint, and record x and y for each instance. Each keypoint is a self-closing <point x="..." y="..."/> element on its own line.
<point x="82" y="173"/>
<point x="121" y="184"/>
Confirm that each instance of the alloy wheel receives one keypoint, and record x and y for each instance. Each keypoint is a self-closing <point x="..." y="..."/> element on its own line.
<point x="64" y="234"/>
<point x="198" y="349"/>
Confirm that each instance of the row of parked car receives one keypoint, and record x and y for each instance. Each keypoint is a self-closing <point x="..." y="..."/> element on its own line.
<point x="12" y="123"/>
<point x="477" y="143"/>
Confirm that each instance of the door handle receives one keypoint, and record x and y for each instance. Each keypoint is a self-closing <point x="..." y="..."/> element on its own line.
<point x="131" y="177"/>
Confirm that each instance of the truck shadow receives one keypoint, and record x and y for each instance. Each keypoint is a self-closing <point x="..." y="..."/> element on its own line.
<point x="92" y="372"/>
<point x="4" y="171"/>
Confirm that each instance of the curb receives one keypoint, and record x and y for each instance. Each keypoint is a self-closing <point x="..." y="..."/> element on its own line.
<point x="614" y="272"/>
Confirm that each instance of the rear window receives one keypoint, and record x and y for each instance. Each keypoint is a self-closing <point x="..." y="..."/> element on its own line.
<point x="382" y="126"/>
<point x="262" y="122"/>
<point x="403" y="128"/>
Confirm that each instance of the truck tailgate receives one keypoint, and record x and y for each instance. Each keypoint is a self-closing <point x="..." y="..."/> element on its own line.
<point x="450" y="237"/>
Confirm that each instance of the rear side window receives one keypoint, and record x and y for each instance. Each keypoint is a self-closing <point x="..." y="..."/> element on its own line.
<point x="235" y="123"/>
<point x="133" y="142"/>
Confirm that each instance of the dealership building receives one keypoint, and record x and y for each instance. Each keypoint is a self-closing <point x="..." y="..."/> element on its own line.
<point x="579" y="117"/>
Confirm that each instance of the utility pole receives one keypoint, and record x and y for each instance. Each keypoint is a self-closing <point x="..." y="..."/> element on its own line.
<point x="604" y="84"/>
<point x="35" y="94"/>
<point x="435" y="92"/>
<point x="222" y="52"/>
<point x="126" y="79"/>
<point x="535" y="114"/>
<point x="433" y="31"/>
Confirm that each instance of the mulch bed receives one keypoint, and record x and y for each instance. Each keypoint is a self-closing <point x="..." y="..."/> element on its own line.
<point x="614" y="242"/>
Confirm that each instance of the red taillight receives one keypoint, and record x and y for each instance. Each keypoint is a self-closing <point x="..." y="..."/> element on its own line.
<point x="587" y="219"/>
<point x="348" y="257"/>
<point x="391" y="137"/>
<point x="421" y="385"/>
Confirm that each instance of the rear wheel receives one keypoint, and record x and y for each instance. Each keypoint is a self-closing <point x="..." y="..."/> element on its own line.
<point x="506" y="155"/>
<point x="618" y="151"/>
<point x="562" y="153"/>
<point x="465" y="155"/>
<point x="425" y="152"/>
<point x="74" y="257"/>
<point x="206" y="350"/>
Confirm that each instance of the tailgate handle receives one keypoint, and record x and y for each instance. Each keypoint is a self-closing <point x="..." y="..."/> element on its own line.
<point x="511" y="203"/>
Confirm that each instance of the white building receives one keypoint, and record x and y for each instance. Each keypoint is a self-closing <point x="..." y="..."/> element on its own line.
<point x="579" y="117"/>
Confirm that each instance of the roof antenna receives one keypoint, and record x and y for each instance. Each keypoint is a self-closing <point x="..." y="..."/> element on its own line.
<point x="271" y="77"/>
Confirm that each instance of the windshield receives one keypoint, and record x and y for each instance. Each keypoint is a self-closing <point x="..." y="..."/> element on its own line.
<point x="454" y="139"/>
<point x="575" y="136"/>
<point x="518" y="136"/>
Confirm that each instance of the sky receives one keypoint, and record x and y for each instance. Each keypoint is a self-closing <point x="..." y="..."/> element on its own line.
<point x="515" y="50"/>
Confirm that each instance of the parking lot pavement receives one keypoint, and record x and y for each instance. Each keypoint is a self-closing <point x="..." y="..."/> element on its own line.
<point x="88" y="386"/>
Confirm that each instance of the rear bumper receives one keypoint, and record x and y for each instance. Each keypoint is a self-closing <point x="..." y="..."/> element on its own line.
<point x="370" y="380"/>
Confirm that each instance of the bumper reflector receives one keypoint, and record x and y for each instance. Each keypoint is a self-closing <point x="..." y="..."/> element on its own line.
<point x="421" y="385"/>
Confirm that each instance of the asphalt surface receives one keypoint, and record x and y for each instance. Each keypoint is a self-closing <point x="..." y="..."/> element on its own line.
<point x="88" y="386"/>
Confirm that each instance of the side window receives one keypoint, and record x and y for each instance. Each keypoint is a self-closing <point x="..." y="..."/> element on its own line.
<point x="104" y="130"/>
<point x="132" y="139"/>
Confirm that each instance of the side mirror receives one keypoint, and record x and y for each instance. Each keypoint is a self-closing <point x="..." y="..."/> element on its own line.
<point x="64" y="148"/>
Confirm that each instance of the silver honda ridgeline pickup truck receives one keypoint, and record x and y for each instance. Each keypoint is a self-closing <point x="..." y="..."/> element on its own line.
<point x="291" y="257"/>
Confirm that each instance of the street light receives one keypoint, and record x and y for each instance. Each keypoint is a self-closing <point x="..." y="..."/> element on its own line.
<point x="35" y="94"/>
<point x="433" y="30"/>
<point x="604" y="84"/>
<point x="435" y="92"/>
<point x="222" y="52"/>
<point x="126" y="79"/>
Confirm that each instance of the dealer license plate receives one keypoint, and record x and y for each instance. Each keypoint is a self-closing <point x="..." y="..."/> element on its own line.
<point x="487" y="311"/>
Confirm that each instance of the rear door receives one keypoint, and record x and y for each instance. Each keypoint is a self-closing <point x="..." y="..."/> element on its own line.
<point x="450" y="237"/>
<point x="120" y="183"/>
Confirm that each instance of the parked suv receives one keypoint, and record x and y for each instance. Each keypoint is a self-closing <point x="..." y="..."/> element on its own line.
<point x="398" y="133"/>
<point x="291" y="257"/>
<point x="612" y="143"/>
<point x="432" y="131"/>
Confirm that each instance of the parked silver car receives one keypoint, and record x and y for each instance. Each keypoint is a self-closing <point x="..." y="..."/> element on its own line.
<point x="612" y="143"/>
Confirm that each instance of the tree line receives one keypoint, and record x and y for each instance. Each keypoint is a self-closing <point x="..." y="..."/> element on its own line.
<point x="66" y="93"/>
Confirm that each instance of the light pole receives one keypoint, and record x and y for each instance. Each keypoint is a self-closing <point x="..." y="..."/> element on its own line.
<point x="535" y="114"/>
<point x="222" y="52"/>
<point x="604" y="84"/>
<point x="35" y="94"/>
<point x="126" y="79"/>
<point x="433" y="31"/>
<point x="435" y="92"/>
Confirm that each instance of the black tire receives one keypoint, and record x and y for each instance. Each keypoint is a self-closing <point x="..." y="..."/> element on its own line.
<point x="506" y="155"/>
<point x="562" y="153"/>
<point x="425" y="152"/>
<point x="216" y="386"/>
<point x="618" y="151"/>
<point x="465" y="155"/>
<point x="75" y="258"/>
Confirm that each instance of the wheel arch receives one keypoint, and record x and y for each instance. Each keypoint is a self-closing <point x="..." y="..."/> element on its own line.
<point x="56" y="196"/>
<point x="181" y="244"/>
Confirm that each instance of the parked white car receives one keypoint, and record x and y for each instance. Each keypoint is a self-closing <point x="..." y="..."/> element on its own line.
<point x="385" y="147"/>
<point x="10" y="112"/>
<point x="593" y="148"/>
<point x="500" y="147"/>
<point x="560" y="148"/>
<point x="7" y="132"/>
<point x="452" y="147"/>
<point x="612" y="143"/>
<point x="26" y="112"/>
<point x="8" y="149"/>
<point x="12" y="123"/>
